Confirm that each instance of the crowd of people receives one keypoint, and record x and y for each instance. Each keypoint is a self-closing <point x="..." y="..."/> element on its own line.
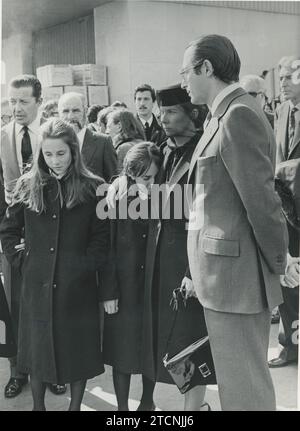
<point x="87" y="287"/>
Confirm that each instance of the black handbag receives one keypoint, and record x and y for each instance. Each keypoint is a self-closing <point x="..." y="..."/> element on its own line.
<point x="8" y="347"/>
<point x="193" y="365"/>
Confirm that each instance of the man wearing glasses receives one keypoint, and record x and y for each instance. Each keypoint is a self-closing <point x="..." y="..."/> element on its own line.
<point x="239" y="251"/>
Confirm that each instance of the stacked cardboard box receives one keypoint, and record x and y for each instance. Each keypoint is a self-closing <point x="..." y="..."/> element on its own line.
<point x="98" y="94"/>
<point x="54" y="75"/>
<point x="52" y="93"/>
<point x="89" y="74"/>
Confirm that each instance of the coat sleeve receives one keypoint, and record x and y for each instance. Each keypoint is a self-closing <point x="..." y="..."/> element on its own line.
<point x="244" y="150"/>
<point x="109" y="161"/>
<point x="11" y="232"/>
<point x="109" y="285"/>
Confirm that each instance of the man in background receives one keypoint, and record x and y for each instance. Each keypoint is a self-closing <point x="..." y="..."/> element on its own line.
<point x="144" y="97"/>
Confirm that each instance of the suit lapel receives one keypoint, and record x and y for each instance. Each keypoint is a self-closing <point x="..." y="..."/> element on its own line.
<point x="282" y="129"/>
<point x="11" y="131"/>
<point x="89" y="147"/>
<point x="296" y="139"/>
<point x="213" y="127"/>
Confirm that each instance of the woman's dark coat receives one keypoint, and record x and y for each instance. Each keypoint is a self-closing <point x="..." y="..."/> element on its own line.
<point x="59" y="334"/>
<point x="126" y="276"/>
<point x="166" y="265"/>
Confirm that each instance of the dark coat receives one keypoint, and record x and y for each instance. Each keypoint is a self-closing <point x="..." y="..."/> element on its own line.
<point x="59" y="334"/>
<point x="157" y="134"/>
<point x="166" y="266"/>
<point x="8" y="348"/>
<point x="126" y="273"/>
<point x="99" y="154"/>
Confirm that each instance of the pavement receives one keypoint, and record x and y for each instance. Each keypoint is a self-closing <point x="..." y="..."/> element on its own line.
<point x="99" y="393"/>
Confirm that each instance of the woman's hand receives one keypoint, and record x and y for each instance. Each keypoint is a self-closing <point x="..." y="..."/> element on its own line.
<point x="111" y="307"/>
<point x="188" y="286"/>
<point x="21" y="246"/>
<point x="116" y="189"/>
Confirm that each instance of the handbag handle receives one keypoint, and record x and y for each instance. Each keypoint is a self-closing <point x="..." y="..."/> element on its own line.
<point x="178" y="293"/>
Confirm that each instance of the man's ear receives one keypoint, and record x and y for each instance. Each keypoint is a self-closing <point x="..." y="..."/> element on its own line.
<point x="208" y="68"/>
<point x="40" y="101"/>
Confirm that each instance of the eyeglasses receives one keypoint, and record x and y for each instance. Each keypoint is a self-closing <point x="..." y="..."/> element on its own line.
<point x="184" y="71"/>
<point x="254" y="94"/>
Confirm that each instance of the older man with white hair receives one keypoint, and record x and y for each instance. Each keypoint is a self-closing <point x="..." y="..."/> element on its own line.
<point x="256" y="87"/>
<point x="96" y="148"/>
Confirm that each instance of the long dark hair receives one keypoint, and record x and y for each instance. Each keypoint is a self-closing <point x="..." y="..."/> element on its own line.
<point x="79" y="183"/>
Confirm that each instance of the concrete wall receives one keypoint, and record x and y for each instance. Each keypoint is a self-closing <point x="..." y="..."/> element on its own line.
<point x="16" y="57"/>
<point x="144" y="41"/>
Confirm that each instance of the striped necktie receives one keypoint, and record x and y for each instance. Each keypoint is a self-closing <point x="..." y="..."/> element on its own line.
<point x="26" y="149"/>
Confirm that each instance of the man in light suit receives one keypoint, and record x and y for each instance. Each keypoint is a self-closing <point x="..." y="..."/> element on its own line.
<point x="238" y="248"/>
<point x="96" y="148"/>
<point x="288" y="148"/>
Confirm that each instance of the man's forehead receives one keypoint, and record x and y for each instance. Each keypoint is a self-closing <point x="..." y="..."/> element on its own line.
<point x="145" y="93"/>
<point x="289" y="69"/>
<point x="26" y="91"/>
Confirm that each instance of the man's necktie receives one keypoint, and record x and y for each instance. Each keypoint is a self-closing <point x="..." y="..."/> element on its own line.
<point x="292" y="125"/>
<point x="26" y="149"/>
<point x="147" y="131"/>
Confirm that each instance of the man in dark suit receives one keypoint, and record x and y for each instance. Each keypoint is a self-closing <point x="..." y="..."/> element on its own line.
<point x="96" y="148"/>
<point x="19" y="142"/>
<point x="237" y="239"/>
<point x="287" y="129"/>
<point x="144" y="97"/>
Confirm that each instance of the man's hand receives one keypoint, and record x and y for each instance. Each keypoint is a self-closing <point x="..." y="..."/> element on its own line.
<point x="111" y="307"/>
<point x="21" y="246"/>
<point x="187" y="284"/>
<point x="291" y="277"/>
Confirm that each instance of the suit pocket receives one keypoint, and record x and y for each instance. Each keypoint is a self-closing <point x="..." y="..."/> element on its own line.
<point x="202" y="161"/>
<point x="221" y="247"/>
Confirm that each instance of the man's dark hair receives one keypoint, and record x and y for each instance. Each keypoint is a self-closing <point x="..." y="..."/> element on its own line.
<point x="145" y="87"/>
<point x="223" y="56"/>
<point x="92" y="113"/>
<point x="28" y="81"/>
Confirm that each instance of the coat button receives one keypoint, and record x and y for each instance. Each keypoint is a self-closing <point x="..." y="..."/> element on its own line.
<point x="52" y="249"/>
<point x="54" y="216"/>
<point x="54" y="286"/>
<point x="142" y="266"/>
<point x="144" y="235"/>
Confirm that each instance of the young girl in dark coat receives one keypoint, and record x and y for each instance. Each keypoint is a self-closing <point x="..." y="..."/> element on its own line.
<point x="65" y="244"/>
<point x="123" y="330"/>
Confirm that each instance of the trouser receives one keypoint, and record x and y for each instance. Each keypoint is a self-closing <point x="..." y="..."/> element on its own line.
<point x="12" y="287"/>
<point x="239" y="344"/>
<point x="289" y="322"/>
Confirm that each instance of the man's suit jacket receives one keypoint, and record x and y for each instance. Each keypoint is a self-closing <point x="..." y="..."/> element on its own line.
<point x="281" y="132"/>
<point x="158" y="135"/>
<point x="285" y="153"/>
<point x="99" y="154"/>
<point x="9" y="160"/>
<point x="237" y="251"/>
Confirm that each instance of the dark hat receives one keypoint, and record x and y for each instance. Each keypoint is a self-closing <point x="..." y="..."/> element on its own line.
<point x="173" y="95"/>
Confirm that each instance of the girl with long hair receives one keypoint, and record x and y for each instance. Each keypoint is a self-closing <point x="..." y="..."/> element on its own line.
<point x="54" y="208"/>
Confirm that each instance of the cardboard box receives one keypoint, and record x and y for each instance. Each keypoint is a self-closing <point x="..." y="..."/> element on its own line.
<point x="89" y="74"/>
<point x="77" y="89"/>
<point x="98" y="95"/>
<point x="55" y="75"/>
<point x="51" y="93"/>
